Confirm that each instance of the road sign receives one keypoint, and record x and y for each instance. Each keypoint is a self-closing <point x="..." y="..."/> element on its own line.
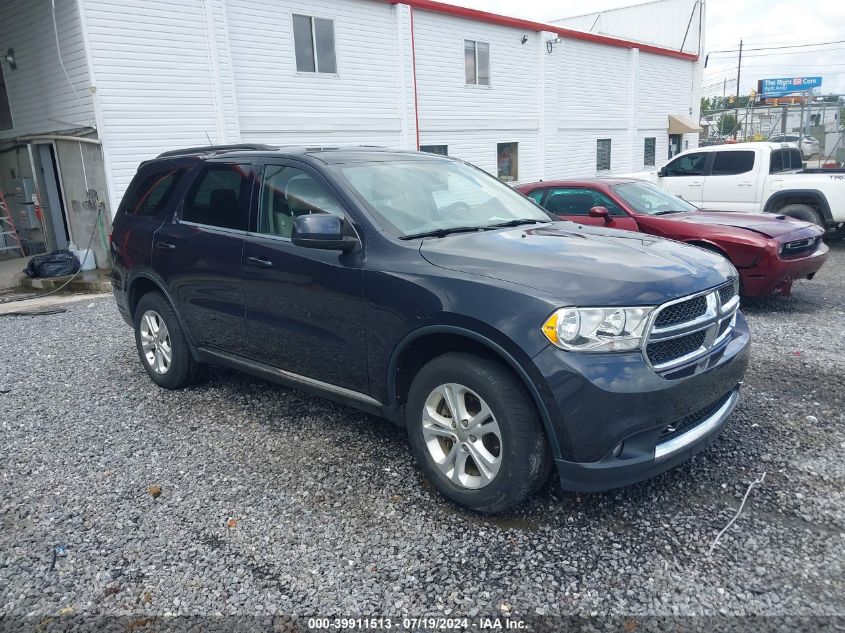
<point x="783" y="86"/>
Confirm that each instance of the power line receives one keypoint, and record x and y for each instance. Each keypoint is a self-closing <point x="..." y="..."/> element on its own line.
<point x="773" y="48"/>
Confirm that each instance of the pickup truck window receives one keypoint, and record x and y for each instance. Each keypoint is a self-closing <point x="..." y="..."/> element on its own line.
<point x="785" y="159"/>
<point x="687" y="165"/>
<point x="732" y="163"/>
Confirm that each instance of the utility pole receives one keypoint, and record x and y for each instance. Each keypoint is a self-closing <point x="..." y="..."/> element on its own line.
<point x="738" y="74"/>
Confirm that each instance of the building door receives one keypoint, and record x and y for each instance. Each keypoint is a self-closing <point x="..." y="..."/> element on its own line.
<point x="674" y="145"/>
<point x="50" y="196"/>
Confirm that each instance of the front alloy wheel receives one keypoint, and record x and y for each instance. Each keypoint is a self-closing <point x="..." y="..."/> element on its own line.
<point x="462" y="435"/>
<point x="155" y="342"/>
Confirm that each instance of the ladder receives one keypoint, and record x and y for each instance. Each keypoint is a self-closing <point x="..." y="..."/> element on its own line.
<point x="7" y="227"/>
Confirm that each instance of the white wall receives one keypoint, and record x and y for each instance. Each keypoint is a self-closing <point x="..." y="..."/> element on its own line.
<point x="42" y="100"/>
<point x="471" y="119"/>
<point x="661" y="22"/>
<point x="276" y="104"/>
<point x="158" y="86"/>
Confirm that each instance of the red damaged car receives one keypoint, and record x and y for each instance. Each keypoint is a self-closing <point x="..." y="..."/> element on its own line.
<point x="769" y="251"/>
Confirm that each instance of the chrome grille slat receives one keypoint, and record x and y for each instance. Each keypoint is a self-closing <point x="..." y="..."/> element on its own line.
<point x="707" y="320"/>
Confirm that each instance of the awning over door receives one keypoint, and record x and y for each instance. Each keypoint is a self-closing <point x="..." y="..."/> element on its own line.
<point x="680" y="124"/>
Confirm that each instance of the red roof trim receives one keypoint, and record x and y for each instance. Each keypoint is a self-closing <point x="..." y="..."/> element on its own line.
<point x="503" y="20"/>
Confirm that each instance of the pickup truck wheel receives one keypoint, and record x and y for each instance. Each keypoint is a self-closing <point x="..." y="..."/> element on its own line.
<point x="476" y="433"/>
<point x="802" y="212"/>
<point x="162" y="345"/>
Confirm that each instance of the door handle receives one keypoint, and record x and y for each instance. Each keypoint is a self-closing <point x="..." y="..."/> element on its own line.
<point x="695" y="183"/>
<point x="745" y="183"/>
<point x="264" y="263"/>
<point x="165" y="246"/>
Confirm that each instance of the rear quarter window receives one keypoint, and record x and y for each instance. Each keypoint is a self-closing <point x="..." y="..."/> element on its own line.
<point x="148" y="194"/>
<point x="785" y="159"/>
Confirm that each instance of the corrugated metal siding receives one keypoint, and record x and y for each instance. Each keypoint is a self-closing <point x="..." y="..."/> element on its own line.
<point x="471" y="120"/>
<point x="278" y="105"/>
<point x="155" y="82"/>
<point x="663" y="22"/>
<point x="41" y="98"/>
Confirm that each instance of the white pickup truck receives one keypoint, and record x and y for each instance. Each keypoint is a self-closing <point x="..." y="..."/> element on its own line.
<point x="756" y="178"/>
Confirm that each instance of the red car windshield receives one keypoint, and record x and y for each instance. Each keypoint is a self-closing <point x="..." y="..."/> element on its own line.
<point x="646" y="198"/>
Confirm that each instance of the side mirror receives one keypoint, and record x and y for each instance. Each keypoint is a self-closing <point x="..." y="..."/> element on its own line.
<point x="662" y="171"/>
<point x="322" y="230"/>
<point x="601" y="212"/>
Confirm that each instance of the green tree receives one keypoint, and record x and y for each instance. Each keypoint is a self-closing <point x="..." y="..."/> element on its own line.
<point x="727" y="124"/>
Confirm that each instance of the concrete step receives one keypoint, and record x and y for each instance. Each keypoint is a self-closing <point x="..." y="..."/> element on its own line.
<point x="88" y="281"/>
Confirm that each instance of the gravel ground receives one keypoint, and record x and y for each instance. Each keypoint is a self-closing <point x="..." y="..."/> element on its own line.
<point x="275" y="502"/>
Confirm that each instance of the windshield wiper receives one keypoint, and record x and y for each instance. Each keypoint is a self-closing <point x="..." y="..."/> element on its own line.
<point x="443" y="232"/>
<point x="667" y="212"/>
<point x="516" y="222"/>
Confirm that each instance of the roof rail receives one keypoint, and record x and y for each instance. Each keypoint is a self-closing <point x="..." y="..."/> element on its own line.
<point x="216" y="148"/>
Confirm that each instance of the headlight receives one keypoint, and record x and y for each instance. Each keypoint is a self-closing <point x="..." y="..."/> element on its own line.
<point x="597" y="329"/>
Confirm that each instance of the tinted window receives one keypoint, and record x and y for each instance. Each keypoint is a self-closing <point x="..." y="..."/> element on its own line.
<point x="442" y="150"/>
<point x="575" y="201"/>
<point x="785" y="159"/>
<point x="220" y="197"/>
<point x="288" y="192"/>
<point x="149" y="195"/>
<point x="537" y="195"/>
<point x="687" y="165"/>
<point x="644" y="197"/>
<point x="732" y="163"/>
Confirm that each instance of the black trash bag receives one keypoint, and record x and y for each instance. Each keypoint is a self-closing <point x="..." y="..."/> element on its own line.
<point x="55" y="264"/>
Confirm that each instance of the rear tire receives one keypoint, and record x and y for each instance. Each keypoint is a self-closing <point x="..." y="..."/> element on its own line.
<point x="493" y="454"/>
<point x="162" y="344"/>
<point x="802" y="212"/>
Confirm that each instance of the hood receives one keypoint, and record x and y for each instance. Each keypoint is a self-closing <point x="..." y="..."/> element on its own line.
<point x="768" y="225"/>
<point x="587" y="266"/>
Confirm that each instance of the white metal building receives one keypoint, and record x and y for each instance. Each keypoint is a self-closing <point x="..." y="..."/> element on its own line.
<point x="520" y="99"/>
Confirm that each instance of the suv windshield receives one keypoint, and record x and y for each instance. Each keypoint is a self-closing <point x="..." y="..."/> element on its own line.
<point x="644" y="197"/>
<point x="437" y="196"/>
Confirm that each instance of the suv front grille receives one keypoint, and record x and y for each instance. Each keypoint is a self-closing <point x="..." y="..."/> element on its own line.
<point x="679" y="427"/>
<point x="687" y="329"/>
<point x="679" y="312"/>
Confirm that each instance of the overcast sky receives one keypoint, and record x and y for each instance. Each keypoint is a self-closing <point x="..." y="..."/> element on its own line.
<point x="759" y="23"/>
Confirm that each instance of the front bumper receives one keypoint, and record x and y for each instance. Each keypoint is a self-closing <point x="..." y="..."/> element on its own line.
<point x="776" y="275"/>
<point x="614" y="410"/>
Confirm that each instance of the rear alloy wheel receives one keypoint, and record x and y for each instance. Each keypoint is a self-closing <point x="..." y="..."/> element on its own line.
<point x="162" y="344"/>
<point x="476" y="432"/>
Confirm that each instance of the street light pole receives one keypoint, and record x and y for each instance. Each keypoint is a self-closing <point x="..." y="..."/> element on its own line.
<point x="738" y="73"/>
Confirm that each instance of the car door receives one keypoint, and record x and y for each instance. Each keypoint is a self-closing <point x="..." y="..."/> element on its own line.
<point x="574" y="204"/>
<point x="731" y="183"/>
<point x="198" y="254"/>
<point x="684" y="176"/>
<point x="304" y="306"/>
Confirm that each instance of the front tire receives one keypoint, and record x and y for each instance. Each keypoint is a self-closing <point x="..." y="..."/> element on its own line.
<point x="162" y="344"/>
<point x="476" y="433"/>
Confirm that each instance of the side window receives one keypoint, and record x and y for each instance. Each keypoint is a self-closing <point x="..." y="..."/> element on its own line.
<point x="477" y="63"/>
<point x="784" y="160"/>
<point x="601" y="200"/>
<point x="570" y="201"/>
<point x="603" y="154"/>
<point x="288" y="192"/>
<point x="442" y="150"/>
<point x="220" y="197"/>
<point x="149" y="195"/>
<point x="732" y="163"/>
<point x="537" y="195"/>
<point x="313" y="43"/>
<point x="649" y="151"/>
<point x="687" y="165"/>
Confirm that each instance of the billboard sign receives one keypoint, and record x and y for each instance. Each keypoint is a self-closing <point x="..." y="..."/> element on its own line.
<point x="781" y="87"/>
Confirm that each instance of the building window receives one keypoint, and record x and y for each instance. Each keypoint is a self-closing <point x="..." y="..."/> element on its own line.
<point x="507" y="160"/>
<point x="443" y="150"/>
<point x="477" y="62"/>
<point x="649" y="151"/>
<point x="313" y="40"/>
<point x="5" y="108"/>
<point x="603" y="154"/>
